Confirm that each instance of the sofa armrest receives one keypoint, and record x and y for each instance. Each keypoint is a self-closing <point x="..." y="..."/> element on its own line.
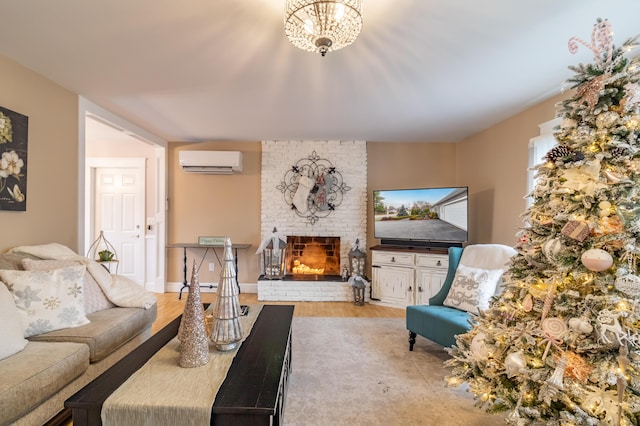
<point x="454" y="259"/>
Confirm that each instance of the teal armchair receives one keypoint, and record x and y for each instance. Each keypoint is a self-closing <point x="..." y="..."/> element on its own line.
<point x="441" y="323"/>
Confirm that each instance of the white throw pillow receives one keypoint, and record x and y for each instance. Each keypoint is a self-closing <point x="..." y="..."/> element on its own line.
<point x="47" y="251"/>
<point x="121" y="290"/>
<point x="48" y="300"/>
<point x="11" y="330"/>
<point x="472" y="288"/>
<point x="94" y="298"/>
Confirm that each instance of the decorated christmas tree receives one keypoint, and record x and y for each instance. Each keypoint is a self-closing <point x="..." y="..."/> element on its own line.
<point x="561" y="344"/>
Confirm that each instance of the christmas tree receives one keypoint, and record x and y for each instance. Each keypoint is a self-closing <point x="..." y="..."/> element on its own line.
<point x="561" y="344"/>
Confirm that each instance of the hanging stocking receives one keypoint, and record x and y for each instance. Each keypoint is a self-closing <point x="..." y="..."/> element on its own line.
<point x="321" y="194"/>
<point x="305" y="184"/>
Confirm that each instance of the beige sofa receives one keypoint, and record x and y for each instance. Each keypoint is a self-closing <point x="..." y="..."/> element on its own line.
<point x="54" y="365"/>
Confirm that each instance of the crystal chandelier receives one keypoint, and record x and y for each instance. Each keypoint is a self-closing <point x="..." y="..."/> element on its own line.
<point x="323" y="26"/>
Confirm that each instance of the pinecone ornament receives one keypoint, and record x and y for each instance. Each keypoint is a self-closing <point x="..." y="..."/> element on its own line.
<point x="564" y="153"/>
<point x="619" y="151"/>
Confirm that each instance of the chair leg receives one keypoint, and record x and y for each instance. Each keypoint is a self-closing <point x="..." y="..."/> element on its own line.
<point x="412" y="340"/>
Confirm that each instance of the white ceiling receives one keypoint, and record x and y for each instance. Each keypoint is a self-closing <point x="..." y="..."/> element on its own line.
<point x="205" y="70"/>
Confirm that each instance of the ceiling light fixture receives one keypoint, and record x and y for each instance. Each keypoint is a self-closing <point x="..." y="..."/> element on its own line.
<point x="322" y="26"/>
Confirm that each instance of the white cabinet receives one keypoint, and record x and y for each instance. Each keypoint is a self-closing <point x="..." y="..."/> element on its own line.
<point x="406" y="277"/>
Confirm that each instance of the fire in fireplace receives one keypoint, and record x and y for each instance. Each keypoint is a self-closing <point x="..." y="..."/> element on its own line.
<point x="313" y="255"/>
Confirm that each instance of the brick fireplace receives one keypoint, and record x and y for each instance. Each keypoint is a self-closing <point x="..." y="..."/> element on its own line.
<point x="335" y="234"/>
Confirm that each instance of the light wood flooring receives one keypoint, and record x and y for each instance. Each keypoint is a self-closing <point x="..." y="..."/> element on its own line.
<point x="169" y="307"/>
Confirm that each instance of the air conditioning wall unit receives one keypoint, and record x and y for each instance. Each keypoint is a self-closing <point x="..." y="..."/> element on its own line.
<point x="211" y="162"/>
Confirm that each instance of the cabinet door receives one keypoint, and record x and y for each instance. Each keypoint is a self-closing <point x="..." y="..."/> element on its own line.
<point x="395" y="285"/>
<point x="428" y="283"/>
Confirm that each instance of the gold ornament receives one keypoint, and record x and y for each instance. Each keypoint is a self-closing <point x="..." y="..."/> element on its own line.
<point x="577" y="368"/>
<point x="609" y="225"/>
<point x="606" y="119"/>
<point x="589" y="92"/>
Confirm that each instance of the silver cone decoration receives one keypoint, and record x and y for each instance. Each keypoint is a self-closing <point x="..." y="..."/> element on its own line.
<point x="194" y="345"/>
<point x="226" y="331"/>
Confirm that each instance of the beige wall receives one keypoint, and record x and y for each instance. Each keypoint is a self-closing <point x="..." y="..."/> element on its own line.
<point x="493" y="163"/>
<point x="52" y="181"/>
<point x="214" y="205"/>
<point x="393" y="165"/>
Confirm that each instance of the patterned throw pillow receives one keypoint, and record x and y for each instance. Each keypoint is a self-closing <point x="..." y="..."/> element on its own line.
<point x="13" y="340"/>
<point x="94" y="298"/>
<point x="48" y="300"/>
<point x="472" y="288"/>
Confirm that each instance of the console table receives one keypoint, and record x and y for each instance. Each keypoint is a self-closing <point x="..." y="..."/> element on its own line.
<point x="253" y="392"/>
<point x="185" y="246"/>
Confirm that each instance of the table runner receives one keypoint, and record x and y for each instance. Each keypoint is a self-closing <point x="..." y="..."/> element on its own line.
<point x="163" y="393"/>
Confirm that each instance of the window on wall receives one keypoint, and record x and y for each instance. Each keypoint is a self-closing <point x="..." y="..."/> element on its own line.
<point x="538" y="147"/>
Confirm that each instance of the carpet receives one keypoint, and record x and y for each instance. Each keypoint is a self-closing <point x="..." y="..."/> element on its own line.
<point x="359" y="371"/>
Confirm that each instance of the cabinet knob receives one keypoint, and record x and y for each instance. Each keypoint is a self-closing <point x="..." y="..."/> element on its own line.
<point x="410" y="288"/>
<point x="439" y="263"/>
<point x="420" y="289"/>
<point x="393" y="259"/>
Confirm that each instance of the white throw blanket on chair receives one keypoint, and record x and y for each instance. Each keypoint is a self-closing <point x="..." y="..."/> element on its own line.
<point x="119" y="289"/>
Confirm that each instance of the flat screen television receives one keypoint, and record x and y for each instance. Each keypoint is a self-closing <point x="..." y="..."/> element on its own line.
<point x="422" y="217"/>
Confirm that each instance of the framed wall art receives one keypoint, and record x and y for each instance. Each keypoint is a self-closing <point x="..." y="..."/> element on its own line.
<point x="13" y="160"/>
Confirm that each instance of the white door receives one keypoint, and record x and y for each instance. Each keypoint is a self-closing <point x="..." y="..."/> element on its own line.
<point x="119" y="213"/>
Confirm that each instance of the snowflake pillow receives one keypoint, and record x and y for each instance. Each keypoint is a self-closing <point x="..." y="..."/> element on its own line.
<point x="48" y="300"/>
<point x="472" y="288"/>
<point x="94" y="298"/>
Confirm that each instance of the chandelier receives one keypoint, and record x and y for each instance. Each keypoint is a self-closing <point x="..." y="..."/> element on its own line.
<point x="322" y="26"/>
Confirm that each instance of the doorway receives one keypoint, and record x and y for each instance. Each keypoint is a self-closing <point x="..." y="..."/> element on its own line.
<point x="110" y="150"/>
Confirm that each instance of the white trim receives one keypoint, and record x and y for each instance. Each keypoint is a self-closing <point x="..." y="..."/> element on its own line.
<point x="538" y="146"/>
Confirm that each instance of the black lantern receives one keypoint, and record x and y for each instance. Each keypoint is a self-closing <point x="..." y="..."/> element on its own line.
<point x="357" y="260"/>
<point x="274" y="257"/>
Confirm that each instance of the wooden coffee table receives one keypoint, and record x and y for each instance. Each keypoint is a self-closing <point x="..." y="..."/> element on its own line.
<point x="253" y="392"/>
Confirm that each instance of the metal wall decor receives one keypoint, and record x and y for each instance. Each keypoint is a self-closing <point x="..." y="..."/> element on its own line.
<point x="313" y="187"/>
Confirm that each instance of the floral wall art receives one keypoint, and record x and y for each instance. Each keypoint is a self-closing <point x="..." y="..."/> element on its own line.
<point x="13" y="160"/>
